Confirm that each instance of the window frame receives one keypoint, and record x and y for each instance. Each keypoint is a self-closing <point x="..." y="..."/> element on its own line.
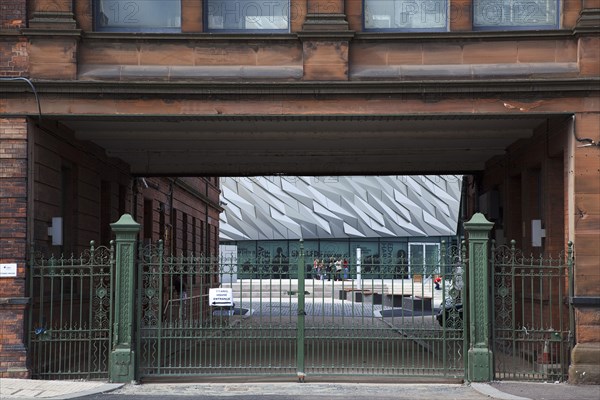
<point x="424" y="263"/>
<point x="446" y="27"/>
<point x="206" y="29"/>
<point x="499" y="28"/>
<point x="98" y="28"/>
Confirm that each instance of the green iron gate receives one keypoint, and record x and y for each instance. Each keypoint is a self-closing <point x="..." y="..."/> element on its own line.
<point x="366" y="315"/>
<point x="370" y="317"/>
<point x="70" y="315"/>
<point x="532" y="317"/>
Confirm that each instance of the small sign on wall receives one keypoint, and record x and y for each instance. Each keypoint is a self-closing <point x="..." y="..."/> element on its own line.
<point x="220" y="297"/>
<point x="8" y="270"/>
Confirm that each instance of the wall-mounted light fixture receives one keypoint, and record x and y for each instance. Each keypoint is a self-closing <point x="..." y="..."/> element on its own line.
<point x="537" y="233"/>
<point x="56" y="231"/>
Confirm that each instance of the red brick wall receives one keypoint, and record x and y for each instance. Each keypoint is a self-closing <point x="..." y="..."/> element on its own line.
<point x="13" y="232"/>
<point x="531" y="166"/>
<point x="194" y="199"/>
<point x="13" y="200"/>
<point x="59" y="157"/>
<point x="14" y="57"/>
<point x="95" y="181"/>
<point x="13" y="49"/>
<point x="12" y="14"/>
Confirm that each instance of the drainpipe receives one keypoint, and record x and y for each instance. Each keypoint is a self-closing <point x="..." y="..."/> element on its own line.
<point x="171" y="216"/>
<point x="134" y="200"/>
<point x="30" y="187"/>
<point x="207" y="226"/>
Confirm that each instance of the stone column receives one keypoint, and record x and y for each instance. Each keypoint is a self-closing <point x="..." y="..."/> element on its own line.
<point x="13" y="247"/>
<point x="52" y="14"/>
<point x="480" y="360"/>
<point x="325" y="36"/>
<point x="588" y="31"/>
<point x="53" y="39"/>
<point x="122" y="363"/>
<point x="584" y="192"/>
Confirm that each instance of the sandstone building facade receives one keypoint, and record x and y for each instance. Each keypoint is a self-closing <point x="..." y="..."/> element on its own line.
<point x="506" y="91"/>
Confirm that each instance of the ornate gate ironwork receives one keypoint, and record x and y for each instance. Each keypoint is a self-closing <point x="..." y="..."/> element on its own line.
<point x="70" y="316"/>
<point x="532" y="317"/>
<point x="338" y="315"/>
<point x="369" y="316"/>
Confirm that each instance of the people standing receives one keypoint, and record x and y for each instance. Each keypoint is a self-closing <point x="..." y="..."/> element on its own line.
<point x="345" y="268"/>
<point x="330" y="268"/>
<point x="338" y="270"/>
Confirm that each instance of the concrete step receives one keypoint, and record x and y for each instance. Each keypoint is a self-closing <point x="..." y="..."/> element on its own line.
<point x="245" y="289"/>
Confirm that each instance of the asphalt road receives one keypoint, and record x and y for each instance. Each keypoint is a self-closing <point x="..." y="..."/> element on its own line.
<point x="236" y="397"/>
<point x="549" y="391"/>
<point x="293" y="391"/>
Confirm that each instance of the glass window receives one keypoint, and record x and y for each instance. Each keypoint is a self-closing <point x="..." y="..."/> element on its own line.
<point x="138" y="15"/>
<point x="406" y="15"/>
<point x="424" y="258"/>
<point x="393" y="252"/>
<point x="247" y="15"/>
<point x="335" y="249"/>
<point x="273" y="250"/>
<point x="515" y="14"/>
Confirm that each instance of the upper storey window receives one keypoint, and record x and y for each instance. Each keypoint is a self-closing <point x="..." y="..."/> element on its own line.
<point x="515" y="14"/>
<point x="247" y="15"/>
<point x="406" y="15"/>
<point x="137" y="15"/>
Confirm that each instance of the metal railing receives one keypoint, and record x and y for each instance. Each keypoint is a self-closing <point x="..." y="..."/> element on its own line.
<point x="532" y="317"/>
<point x="288" y="321"/>
<point x="367" y="316"/>
<point x="70" y="315"/>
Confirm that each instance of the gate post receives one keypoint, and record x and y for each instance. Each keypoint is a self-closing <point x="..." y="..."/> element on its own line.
<point x="122" y="362"/>
<point x="301" y="313"/>
<point x="480" y="360"/>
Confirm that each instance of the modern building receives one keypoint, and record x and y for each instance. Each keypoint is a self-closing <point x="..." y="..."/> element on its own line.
<point x="504" y="91"/>
<point x="387" y="217"/>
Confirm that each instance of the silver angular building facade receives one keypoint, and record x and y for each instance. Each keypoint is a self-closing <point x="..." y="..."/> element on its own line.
<point x="346" y="207"/>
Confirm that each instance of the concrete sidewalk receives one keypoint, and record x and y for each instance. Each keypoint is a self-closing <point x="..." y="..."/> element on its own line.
<point x="36" y="389"/>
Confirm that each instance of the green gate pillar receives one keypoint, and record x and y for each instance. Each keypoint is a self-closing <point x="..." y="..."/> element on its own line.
<point x="479" y="360"/>
<point x="301" y="314"/>
<point x="122" y="358"/>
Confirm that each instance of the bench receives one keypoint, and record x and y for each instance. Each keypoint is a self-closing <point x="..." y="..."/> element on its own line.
<point x="372" y="297"/>
<point x="417" y="303"/>
<point x="394" y="300"/>
<point x="358" y="295"/>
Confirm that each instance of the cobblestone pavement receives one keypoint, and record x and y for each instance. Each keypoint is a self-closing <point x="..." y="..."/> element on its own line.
<point x="284" y="390"/>
<point x="254" y="389"/>
<point x="327" y="307"/>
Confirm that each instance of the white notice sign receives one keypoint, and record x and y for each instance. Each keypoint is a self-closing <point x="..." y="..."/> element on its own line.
<point x="220" y="297"/>
<point x="8" y="270"/>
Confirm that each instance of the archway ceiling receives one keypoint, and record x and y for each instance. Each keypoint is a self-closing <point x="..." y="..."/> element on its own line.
<point x="313" y="145"/>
